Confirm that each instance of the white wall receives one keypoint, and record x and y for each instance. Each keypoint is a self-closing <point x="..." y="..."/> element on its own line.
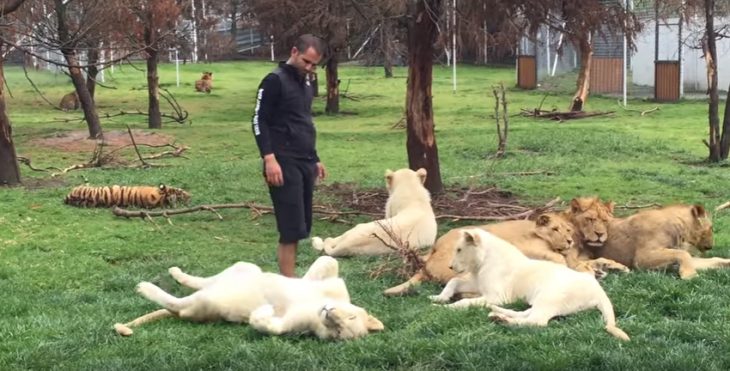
<point x="695" y="76"/>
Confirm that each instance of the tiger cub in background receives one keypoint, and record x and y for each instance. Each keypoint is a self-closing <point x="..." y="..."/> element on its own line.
<point x="141" y="196"/>
<point x="205" y="84"/>
<point x="70" y="101"/>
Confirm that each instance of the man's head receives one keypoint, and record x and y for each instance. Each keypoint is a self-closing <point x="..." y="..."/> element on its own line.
<point x="306" y="53"/>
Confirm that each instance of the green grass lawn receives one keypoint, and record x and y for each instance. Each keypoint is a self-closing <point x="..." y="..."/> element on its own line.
<point x="68" y="274"/>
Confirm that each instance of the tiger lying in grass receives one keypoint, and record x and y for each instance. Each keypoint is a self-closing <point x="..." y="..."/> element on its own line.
<point x="141" y="196"/>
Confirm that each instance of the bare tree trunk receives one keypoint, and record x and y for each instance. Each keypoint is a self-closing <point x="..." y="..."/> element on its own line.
<point x="421" y="141"/>
<point x="153" y="80"/>
<point x="85" y="99"/>
<point x="584" y="76"/>
<point x="93" y="70"/>
<point x="9" y="171"/>
<point x="69" y="53"/>
<point x="314" y="80"/>
<point x="725" y="138"/>
<point x="233" y="17"/>
<point x="387" y="49"/>
<point x="333" y="86"/>
<point x="710" y="50"/>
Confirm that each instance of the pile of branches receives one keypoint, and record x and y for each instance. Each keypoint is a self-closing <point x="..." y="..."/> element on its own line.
<point x="455" y="203"/>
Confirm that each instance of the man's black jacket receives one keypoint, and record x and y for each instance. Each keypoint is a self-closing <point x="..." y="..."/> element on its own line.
<point x="282" y="121"/>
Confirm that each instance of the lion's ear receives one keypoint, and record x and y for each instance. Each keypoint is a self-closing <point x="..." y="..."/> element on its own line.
<point x="388" y="177"/>
<point x="576" y="206"/>
<point x="374" y="324"/>
<point x="698" y="211"/>
<point x="422" y="175"/>
<point x="543" y="219"/>
<point x="471" y="237"/>
<point x="610" y="205"/>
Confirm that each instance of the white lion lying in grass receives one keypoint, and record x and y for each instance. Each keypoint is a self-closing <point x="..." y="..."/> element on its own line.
<point x="317" y="303"/>
<point x="409" y="220"/>
<point x="502" y="275"/>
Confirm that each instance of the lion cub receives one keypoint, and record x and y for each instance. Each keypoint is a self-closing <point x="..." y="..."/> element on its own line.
<point x="70" y="101"/>
<point x="409" y="221"/>
<point x="317" y="303"/>
<point x="205" y="84"/>
<point x="550" y="238"/>
<point x="501" y="274"/>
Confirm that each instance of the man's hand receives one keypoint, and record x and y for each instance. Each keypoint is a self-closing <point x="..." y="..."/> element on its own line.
<point x="274" y="176"/>
<point x="321" y="171"/>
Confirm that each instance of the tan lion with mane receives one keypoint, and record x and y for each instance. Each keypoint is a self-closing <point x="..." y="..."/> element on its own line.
<point x="655" y="239"/>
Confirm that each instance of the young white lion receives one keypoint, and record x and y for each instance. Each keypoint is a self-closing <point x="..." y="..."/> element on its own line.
<point x="317" y="303"/>
<point x="408" y="217"/>
<point x="502" y="275"/>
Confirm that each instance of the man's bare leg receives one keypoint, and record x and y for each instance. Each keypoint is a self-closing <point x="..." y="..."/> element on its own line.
<point x="287" y="255"/>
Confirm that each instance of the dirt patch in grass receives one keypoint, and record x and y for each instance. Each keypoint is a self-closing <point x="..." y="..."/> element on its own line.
<point x="33" y="184"/>
<point x="78" y="141"/>
<point x="486" y="202"/>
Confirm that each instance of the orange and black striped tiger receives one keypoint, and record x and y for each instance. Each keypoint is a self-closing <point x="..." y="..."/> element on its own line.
<point x="122" y="196"/>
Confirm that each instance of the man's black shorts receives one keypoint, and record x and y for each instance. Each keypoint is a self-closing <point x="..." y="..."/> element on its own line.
<point x="293" y="200"/>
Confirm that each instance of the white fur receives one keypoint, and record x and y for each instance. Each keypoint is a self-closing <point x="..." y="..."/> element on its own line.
<point x="317" y="303"/>
<point x="409" y="219"/>
<point x="501" y="274"/>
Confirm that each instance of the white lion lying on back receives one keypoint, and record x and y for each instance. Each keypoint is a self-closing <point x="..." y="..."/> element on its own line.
<point x="317" y="303"/>
<point x="502" y="274"/>
<point x="408" y="217"/>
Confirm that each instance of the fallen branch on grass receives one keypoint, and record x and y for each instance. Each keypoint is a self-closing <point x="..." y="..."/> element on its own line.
<point x="334" y="215"/>
<point x="561" y="116"/>
<point x="255" y="208"/>
<point x="723" y="206"/>
<point x="641" y="113"/>
<point x="412" y="261"/>
<point x="26" y="161"/>
<point x="526" y="214"/>
<point x="626" y="206"/>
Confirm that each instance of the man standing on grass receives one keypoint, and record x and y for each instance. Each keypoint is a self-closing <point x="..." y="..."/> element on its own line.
<point x="285" y="134"/>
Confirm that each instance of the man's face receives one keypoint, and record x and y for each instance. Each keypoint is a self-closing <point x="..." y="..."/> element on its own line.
<point x="305" y="62"/>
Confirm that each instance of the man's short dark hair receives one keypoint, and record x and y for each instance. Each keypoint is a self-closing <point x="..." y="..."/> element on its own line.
<point x="307" y="41"/>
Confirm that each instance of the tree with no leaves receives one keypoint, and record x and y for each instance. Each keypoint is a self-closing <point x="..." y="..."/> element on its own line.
<point x="423" y="17"/>
<point x="719" y="139"/>
<point x="153" y="29"/>
<point x="287" y="19"/>
<point x="9" y="170"/>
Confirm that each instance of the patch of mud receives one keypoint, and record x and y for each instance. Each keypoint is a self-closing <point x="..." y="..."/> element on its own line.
<point x="78" y="141"/>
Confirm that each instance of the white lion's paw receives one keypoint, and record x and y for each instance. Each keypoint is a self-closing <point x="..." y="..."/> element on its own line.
<point x="497" y="318"/>
<point x="260" y="318"/>
<point x="262" y="313"/>
<point x="175" y="271"/>
<point x="438" y="299"/>
<point x="317" y="243"/>
<point x="146" y="289"/>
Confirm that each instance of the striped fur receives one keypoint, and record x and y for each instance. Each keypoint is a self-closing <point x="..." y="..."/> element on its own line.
<point x="141" y="196"/>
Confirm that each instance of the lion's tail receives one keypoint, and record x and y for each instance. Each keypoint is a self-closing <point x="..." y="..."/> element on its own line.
<point x="406" y="287"/>
<point x="125" y="329"/>
<point x="609" y="317"/>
